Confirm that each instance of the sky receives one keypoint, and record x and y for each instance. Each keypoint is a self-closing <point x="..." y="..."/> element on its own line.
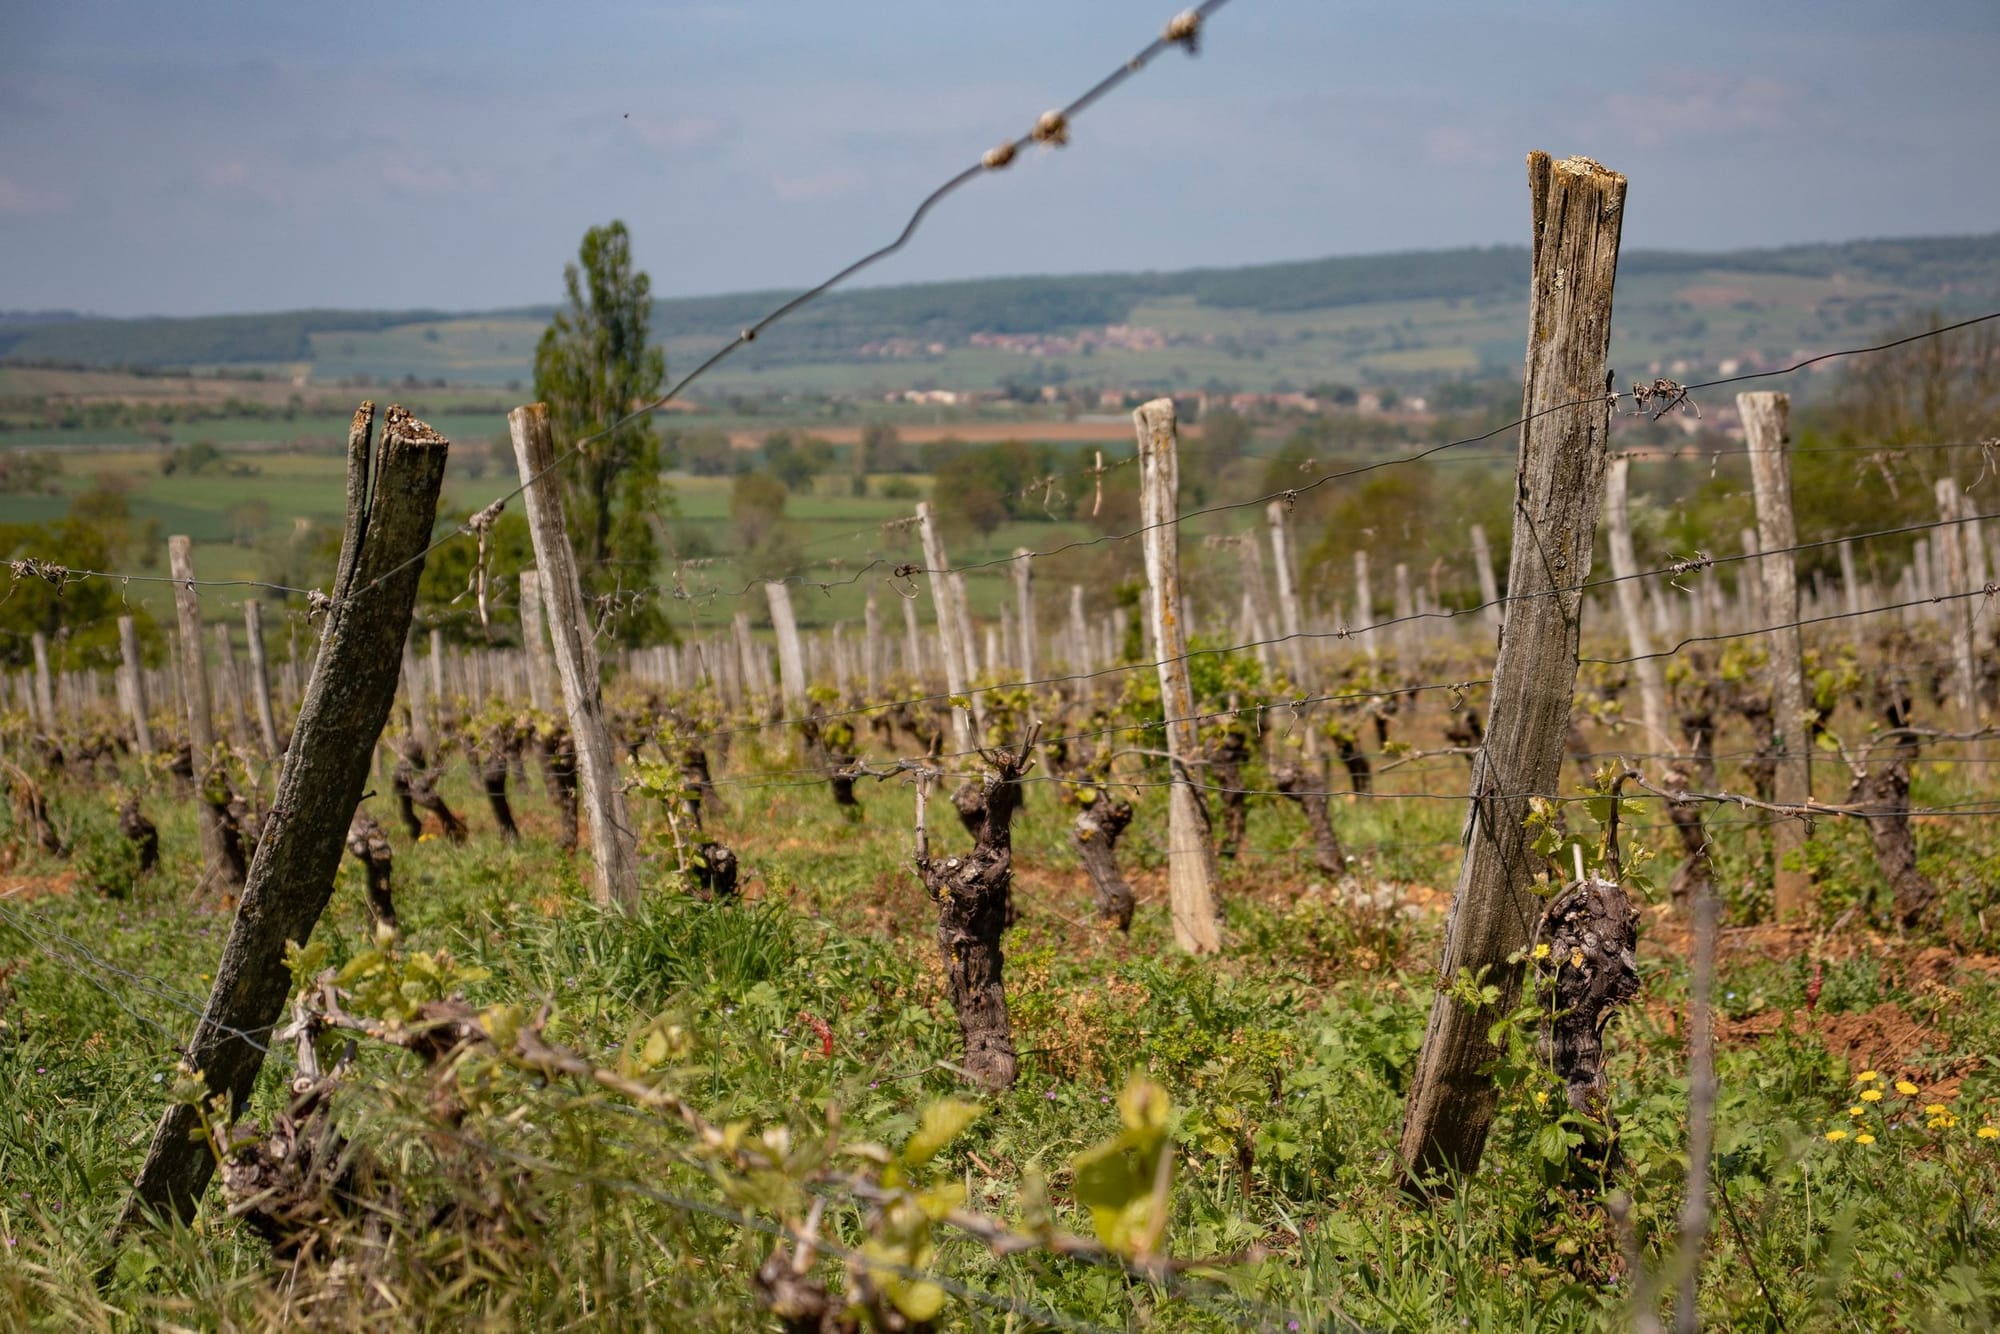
<point x="216" y="155"/>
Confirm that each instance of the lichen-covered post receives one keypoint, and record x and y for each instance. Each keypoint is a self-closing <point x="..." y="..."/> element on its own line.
<point x="1578" y="209"/>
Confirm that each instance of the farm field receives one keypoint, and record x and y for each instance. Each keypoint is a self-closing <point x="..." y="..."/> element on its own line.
<point x="816" y="993"/>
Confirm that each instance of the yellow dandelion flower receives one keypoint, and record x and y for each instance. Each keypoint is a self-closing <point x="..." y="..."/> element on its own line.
<point x="1935" y="1109"/>
<point x="1542" y="951"/>
<point x="1835" y="1136"/>
<point x="1864" y="1138"/>
<point x="1541" y="1097"/>
<point x="1856" y="1110"/>
<point x="1871" y="1095"/>
<point x="1989" y="1132"/>
<point x="1906" y="1088"/>
<point x="1866" y="1077"/>
<point x="1943" y="1122"/>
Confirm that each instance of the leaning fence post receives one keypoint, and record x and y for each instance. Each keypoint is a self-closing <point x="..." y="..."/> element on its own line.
<point x="1578" y="209"/>
<point x="292" y="875"/>
<point x="217" y="870"/>
<point x="613" y="846"/>
<point x="1767" y="433"/>
<point x="1190" y="855"/>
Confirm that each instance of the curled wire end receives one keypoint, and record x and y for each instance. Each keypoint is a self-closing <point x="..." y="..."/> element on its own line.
<point x="317" y="603"/>
<point x="998" y="156"/>
<point x="484" y="520"/>
<point x="1185" y="29"/>
<point x="1052" y="128"/>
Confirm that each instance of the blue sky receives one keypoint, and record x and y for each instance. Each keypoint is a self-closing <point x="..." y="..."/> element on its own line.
<point x="212" y="155"/>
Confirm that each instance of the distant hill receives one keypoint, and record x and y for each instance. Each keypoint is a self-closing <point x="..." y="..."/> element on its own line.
<point x="1409" y="317"/>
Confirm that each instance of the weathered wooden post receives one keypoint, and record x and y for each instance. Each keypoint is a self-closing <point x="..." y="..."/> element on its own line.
<point x="1767" y="433"/>
<point x="1364" y="603"/>
<point x="913" y="648"/>
<point x="1278" y="515"/>
<point x="1191" y="871"/>
<point x="791" y="658"/>
<point x="413" y="689"/>
<point x="749" y="661"/>
<point x="1625" y="569"/>
<point x="1951" y="545"/>
<point x="613" y="845"/>
<point x="218" y="871"/>
<point x="234" y="712"/>
<point x="1482" y="566"/>
<point x="260" y="677"/>
<point x="390" y="510"/>
<point x="1081" y="658"/>
<point x="1578" y="209"/>
<point x="871" y="646"/>
<point x="45" y="690"/>
<point x="943" y="603"/>
<point x="135" y="683"/>
<point x="535" y="638"/>
<point x="1024" y="609"/>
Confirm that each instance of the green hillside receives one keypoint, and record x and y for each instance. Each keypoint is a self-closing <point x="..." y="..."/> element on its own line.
<point x="1398" y="319"/>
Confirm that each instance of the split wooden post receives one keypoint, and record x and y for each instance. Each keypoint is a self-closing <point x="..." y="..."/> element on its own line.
<point x="1278" y="515"/>
<point x="1625" y="570"/>
<point x="943" y="603"/>
<point x="535" y="638"/>
<point x="260" y="677"/>
<point x="613" y="846"/>
<point x="45" y="690"/>
<point x="791" y="657"/>
<point x="1958" y="580"/>
<point x="134" y="667"/>
<point x="1767" y="433"/>
<point x="1482" y="566"/>
<point x="217" y="871"/>
<point x="292" y="876"/>
<point x="1024" y="609"/>
<point x="1578" y="209"/>
<point x="1191" y="872"/>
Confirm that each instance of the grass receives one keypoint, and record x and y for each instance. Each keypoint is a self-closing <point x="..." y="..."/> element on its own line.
<point x="1285" y="1059"/>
